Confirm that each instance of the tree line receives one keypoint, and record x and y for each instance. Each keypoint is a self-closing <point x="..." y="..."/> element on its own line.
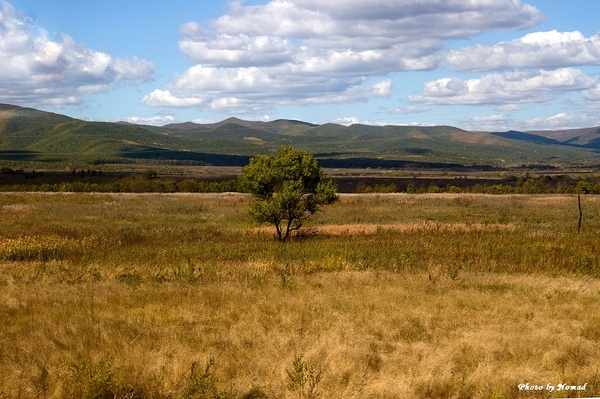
<point x="131" y="185"/>
<point x="151" y="182"/>
<point x="511" y="185"/>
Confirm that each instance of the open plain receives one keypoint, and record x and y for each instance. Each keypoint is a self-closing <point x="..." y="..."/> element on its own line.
<point x="385" y="296"/>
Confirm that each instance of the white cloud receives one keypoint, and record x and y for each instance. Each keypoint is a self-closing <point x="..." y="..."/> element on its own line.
<point x="37" y="69"/>
<point x="157" y="120"/>
<point x="237" y="50"/>
<point x="507" y="88"/>
<point x="411" y="109"/>
<point x="536" y="50"/>
<point x="365" y="20"/>
<point x="563" y="121"/>
<point x="160" y="98"/>
<point x="491" y="118"/>
<point x="349" y="120"/>
<point x="253" y="89"/>
<point x="501" y="122"/>
<point x="315" y="52"/>
<point x="357" y="93"/>
<point x="133" y="70"/>
<point x="508" y="108"/>
<point x="592" y="94"/>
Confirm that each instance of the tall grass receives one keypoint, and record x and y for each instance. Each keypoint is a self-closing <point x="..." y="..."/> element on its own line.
<point x="168" y="296"/>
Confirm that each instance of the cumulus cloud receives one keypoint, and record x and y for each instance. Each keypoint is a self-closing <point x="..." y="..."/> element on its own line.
<point x="226" y="88"/>
<point x="312" y="52"/>
<point x="508" y="108"/>
<point x="535" y="50"/>
<point x="491" y="118"/>
<point x="563" y="121"/>
<point x="37" y="69"/>
<point x="592" y="94"/>
<point x="501" y="122"/>
<point x="157" y="120"/>
<point x="349" y="120"/>
<point x="382" y="20"/>
<point x="508" y="88"/>
<point x="133" y="70"/>
<point x="254" y="89"/>
<point x="223" y="49"/>
<point x="356" y="93"/>
<point x="165" y="98"/>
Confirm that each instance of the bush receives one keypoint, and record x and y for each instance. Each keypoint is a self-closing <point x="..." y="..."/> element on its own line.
<point x="202" y="384"/>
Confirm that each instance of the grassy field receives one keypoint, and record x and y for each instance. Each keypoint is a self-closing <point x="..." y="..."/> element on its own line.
<point x="387" y="296"/>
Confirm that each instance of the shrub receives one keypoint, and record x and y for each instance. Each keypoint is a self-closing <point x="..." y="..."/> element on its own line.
<point x="304" y="378"/>
<point x="202" y="384"/>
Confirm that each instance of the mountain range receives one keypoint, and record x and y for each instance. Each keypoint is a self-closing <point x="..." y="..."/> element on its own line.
<point x="28" y="134"/>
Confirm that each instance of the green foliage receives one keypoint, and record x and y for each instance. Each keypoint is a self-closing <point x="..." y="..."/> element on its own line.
<point x="130" y="185"/>
<point x="31" y="248"/>
<point x="150" y="174"/>
<point x="185" y="273"/>
<point x="106" y="379"/>
<point x="304" y="378"/>
<point x="411" y="188"/>
<point x="201" y="384"/>
<point x="89" y="380"/>
<point x="561" y="184"/>
<point x="289" y="188"/>
<point x="376" y="188"/>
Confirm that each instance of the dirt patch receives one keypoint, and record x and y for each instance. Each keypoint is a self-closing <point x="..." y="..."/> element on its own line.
<point x="552" y="199"/>
<point x="366" y="229"/>
<point x="17" y="208"/>
<point x="474" y="138"/>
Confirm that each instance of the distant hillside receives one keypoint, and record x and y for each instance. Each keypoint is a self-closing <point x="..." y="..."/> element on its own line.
<point x="29" y="134"/>
<point x="587" y="137"/>
<point x="529" y="137"/>
<point x="52" y="137"/>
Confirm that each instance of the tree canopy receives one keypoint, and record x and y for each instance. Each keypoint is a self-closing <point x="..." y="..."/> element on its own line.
<point x="289" y="188"/>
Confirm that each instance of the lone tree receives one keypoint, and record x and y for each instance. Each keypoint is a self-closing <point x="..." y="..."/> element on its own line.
<point x="288" y="188"/>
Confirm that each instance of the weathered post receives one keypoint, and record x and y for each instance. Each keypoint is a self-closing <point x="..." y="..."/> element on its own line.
<point x="580" y="213"/>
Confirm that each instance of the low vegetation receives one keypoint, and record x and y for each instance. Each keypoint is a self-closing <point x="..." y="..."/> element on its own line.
<point x="166" y="179"/>
<point x="386" y="296"/>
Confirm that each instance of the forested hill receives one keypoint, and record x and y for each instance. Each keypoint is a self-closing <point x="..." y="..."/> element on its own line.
<point x="29" y="134"/>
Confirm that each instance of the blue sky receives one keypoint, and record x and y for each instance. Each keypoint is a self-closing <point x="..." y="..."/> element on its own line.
<point x="479" y="65"/>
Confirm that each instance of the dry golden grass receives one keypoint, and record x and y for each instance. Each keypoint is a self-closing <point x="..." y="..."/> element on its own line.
<point x="435" y="297"/>
<point x="367" y="229"/>
<point x="372" y="334"/>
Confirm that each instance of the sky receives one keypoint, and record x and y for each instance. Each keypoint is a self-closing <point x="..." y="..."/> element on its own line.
<point x="487" y="65"/>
